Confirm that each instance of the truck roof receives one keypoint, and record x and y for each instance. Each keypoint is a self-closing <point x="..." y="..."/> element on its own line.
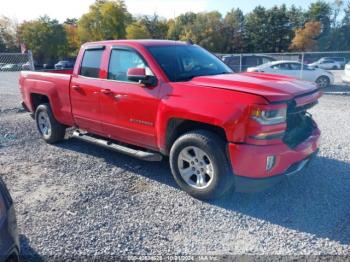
<point x="143" y="42"/>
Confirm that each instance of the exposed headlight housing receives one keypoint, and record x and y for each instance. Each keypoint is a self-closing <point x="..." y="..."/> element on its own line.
<point x="269" y="116"/>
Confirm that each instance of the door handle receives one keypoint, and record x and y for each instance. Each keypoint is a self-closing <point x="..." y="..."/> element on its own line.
<point x="76" y="87"/>
<point x="106" y="91"/>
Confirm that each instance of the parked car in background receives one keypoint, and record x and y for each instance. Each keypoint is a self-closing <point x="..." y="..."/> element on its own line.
<point x="11" y="67"/>
<point x="9" y="242"/>
<point x="234" y="61"/>
<point x="1" y="65"/>
<point x="339" y="59"/>
<point x="346" y="76"/>
<point x="327" y="64"/>
<point x="48" y="66"/>
<point x="27" y="66"/>
<point x="65" y="64"/>
<point x="295" y="69"/>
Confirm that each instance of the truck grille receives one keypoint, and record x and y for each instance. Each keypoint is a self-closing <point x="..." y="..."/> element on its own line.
<point x="299" y="125"/>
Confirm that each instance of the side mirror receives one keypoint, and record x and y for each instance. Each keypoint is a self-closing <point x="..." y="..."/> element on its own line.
<point x="139" y="75"/>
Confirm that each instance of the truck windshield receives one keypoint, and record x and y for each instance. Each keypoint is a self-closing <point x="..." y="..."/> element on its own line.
<point x="184" y="62"/>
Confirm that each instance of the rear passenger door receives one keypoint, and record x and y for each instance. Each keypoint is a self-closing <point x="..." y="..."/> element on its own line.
<point x="85" y="91"/>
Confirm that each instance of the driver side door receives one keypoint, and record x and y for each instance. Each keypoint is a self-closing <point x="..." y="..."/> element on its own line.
<point x="128" y="109"/>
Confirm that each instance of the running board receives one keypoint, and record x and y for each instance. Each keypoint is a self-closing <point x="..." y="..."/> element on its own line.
<point x="143" y="155"/>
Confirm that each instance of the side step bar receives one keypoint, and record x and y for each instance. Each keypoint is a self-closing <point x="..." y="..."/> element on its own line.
<point x="143" y="155"/>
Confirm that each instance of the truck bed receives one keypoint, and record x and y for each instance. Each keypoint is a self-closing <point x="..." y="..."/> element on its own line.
<point x="51" y="86"/>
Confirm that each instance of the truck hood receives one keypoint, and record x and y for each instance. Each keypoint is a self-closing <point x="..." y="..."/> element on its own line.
<point x="273" y="87"/>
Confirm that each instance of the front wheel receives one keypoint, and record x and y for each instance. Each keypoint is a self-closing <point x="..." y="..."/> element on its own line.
<point x="200" y="166"/>
<point x="50" y="130"/>
<point x="323" y="81"/>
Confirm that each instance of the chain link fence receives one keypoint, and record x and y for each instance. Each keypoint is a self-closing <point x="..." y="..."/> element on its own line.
<point x="329" y="69"/>
<point x="11" y="62"/>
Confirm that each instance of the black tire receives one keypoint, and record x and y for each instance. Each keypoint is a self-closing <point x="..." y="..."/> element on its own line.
<point x="334" y="67"/>
<point x="58" y="130"/>
<point x="323" y="81"/>
<point x="214" y="147"/>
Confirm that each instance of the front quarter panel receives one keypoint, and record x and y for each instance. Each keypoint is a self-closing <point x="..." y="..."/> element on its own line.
<point x="223" y="108"/>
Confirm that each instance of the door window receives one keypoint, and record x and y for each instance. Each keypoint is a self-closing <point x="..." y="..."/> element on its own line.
<point x="295" y="66"/>
<point x="121" y="61"/>
<point x="91" y="63"/>
<point x="283" y="66"/>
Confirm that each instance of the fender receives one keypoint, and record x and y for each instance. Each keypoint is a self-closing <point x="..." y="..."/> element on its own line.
<point x="192" y="103"/>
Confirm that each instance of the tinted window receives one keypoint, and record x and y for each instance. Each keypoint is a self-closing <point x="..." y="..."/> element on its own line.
<point x="91" y="64"/>
<point x="183" y="62"/>
<point x="295" y="66"/>
<point x="283" y="66"/>
<point x="121" y="61"/>
<point x="250" y="61"/>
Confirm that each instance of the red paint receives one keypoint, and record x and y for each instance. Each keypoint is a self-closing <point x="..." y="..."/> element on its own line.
<point x="139" y="115"/>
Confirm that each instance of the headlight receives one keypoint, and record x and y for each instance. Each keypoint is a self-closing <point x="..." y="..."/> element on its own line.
<point x="269" y="116"/>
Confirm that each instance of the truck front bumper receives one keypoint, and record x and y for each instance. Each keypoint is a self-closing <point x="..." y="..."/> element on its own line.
<point x="249" y="162"/>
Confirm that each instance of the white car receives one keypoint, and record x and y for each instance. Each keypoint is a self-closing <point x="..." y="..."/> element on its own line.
<point x="327" y="64"/>
<point x="346" y="76"/>
<point x="295" y="69"/>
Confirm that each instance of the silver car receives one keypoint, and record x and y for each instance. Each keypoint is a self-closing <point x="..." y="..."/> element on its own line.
<point x="346" y="76"/>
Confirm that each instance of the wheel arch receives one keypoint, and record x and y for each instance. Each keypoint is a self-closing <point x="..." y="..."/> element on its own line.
<point x="178" y="126"/>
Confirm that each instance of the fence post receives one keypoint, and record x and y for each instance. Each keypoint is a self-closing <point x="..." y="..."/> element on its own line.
<point x="31" y="60"/>
<point x="240" y="62"/>
<point x="302" y="65"/>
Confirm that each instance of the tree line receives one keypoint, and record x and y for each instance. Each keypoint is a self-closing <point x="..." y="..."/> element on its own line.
<point x="323" y="26"/>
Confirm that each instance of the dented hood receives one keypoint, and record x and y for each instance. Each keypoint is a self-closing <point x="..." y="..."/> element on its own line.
<point x="273" y="87"/>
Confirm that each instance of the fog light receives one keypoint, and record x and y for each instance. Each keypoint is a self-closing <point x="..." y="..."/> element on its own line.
<point x="270" y="162"/>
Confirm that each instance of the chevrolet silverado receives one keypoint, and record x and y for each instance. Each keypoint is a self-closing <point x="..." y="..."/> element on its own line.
<point x="152" y="99"/>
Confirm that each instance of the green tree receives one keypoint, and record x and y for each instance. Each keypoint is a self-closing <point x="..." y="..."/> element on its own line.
<point x="106" y="20"/>
<point x="268" y="30"/>
<point x="233" y="29"/>
<point x="179" y="25"/>
<point x="45" y="37"/>
<point x="206" y="30"/>
<point x="73" y="41"/>
<point x="137" y="31"/>
<point x="320" y="11"/>
<point x="8" y="35"/>
<point x="156" y="27"/>
<point x="296" y="17"/>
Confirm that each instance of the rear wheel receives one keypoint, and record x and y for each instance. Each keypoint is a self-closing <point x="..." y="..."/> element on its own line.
<point x="323" y="81"/>
<point x="200" y="166"/>
<point x="50" y="130"/>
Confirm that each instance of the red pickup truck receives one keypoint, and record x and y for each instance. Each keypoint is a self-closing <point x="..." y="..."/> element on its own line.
<point x="152" y="99"/>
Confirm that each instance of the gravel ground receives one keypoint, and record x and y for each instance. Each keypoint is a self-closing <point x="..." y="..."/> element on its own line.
<point x="82" y="200"/>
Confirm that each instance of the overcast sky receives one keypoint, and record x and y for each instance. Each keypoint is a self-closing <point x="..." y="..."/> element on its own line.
<point x="62" y="9"/>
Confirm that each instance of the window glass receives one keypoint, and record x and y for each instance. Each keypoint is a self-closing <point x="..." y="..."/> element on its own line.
<point x="121" y="61"/>
<point x="251" y="61"/>
<point x="91" y="64"/>
<point x="283" y="66"/>
<point x="184" y="62"/>
<point x="265" y="60"/>
<point x="295" y="66"/>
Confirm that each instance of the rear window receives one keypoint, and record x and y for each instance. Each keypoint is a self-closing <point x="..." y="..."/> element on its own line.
<point x="91" y="63"/>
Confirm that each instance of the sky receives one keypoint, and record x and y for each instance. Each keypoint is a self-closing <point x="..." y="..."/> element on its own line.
<point x="62" y="9"/>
